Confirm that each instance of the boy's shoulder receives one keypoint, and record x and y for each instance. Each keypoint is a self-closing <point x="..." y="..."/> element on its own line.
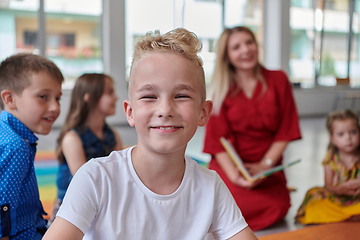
<point x="200" y="171"/>
<point x="8" y="136"/>
<point x="6" y="132"/>
<point x="193" y="164"/>
<point x="114" y="159"/>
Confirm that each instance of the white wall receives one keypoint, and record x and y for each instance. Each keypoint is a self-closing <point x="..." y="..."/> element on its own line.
<point x="319" y="101"/>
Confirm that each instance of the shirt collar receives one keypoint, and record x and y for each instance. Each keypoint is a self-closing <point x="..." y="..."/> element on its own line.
<point x="18" y="127"/>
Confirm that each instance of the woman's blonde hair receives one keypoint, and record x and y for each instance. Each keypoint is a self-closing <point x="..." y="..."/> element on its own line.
<point x="223" y="76"/>
<point x="340" y="116"/>
<point x="88" y="83"/>
<point x="179" y="41"/>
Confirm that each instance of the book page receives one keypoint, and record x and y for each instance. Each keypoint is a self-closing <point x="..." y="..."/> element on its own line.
<point x="274" y="170"/>
<point x="236" y="159"/>
<point x="240" y="165"/>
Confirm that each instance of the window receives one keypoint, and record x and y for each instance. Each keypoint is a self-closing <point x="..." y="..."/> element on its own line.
<point x="354" y="73"/>
<point x="247" y="13"/>
<point x="11" y="14"/>
<point x="73" y="39"/>
<point x="212" y="43"/>
<point x="203" y="17"/>
<point x="209" y="1"/>
<point x="330" y="4"/>
<point x="52" y="40"/>
<point x="30" y="38"/>
<point x="320" y="42"/>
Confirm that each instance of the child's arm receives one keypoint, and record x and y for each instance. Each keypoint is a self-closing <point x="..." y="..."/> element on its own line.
<point x="62" y="229"/>
<point x="4" y="238"/>
<point x="350" y="187"/>
<point x="73" y="151"/>
<point x="245" y="234"/>
<point x="119" y="145"/>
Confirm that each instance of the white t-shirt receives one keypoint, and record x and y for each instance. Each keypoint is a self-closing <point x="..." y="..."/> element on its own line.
<point x="107" y="200"/>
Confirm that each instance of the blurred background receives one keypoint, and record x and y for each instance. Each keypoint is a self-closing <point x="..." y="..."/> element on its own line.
<point x="316" y="42"/>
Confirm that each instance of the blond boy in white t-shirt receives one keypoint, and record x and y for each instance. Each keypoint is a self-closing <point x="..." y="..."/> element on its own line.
<point x="152" y="190"/>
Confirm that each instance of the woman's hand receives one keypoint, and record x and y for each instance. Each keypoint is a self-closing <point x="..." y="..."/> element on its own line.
<point x="233" y="173"/>
<point x="255" y="168"/>
<point x="240" y="181"/>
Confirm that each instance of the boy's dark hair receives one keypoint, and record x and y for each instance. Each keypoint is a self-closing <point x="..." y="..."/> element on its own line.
<point x="16" y="71"/>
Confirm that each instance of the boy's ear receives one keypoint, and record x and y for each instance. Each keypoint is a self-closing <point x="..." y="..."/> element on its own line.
<point x="8" y="99"/>
<point x="205" y="113"/>
<point x="129" y="113"/>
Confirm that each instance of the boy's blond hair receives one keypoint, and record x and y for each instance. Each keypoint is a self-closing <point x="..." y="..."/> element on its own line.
<point x="179" y="41"/>
<point x="17" y="70"/>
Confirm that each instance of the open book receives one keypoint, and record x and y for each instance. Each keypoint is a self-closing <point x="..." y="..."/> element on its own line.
<point x="239" y="163"/>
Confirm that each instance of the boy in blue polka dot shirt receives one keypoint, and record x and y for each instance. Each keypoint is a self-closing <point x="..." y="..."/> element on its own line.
<point x="30" y="88"/>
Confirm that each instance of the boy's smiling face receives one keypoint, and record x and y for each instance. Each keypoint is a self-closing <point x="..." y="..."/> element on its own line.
<point x="37" y="107"/>
<point x="165" y="103"/>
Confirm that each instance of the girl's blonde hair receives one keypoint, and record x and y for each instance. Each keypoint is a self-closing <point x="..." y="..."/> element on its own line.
<point x="340" y="116"/>
<point x="89" y="83"/>
<point x="179" y="41"/>
<point x="223" y="77"/>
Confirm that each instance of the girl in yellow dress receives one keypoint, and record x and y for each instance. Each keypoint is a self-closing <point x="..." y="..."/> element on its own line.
<point x="339" y="200"/>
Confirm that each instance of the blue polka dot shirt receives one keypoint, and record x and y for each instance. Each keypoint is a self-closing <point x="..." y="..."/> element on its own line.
<point x="21" y="209"/>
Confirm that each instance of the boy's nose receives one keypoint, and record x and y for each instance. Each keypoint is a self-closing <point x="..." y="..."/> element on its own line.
<point x="165" y="109"/>
<point x="54" y="106"/>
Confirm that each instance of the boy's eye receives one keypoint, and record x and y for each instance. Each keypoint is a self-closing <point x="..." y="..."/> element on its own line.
<point x="353" y="132"/>
<point x="182" y="96"/>
<point x="340" y="134"/>
<point x="43" y="96"/>
<point x="148" y="97"/>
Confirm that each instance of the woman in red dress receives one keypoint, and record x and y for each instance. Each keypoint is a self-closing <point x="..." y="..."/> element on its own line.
<point x="254" y="108"/>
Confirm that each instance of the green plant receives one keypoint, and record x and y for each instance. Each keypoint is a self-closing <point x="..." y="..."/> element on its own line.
<point x="327" y="66"/>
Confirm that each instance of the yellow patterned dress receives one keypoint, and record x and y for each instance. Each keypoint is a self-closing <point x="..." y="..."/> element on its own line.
<point x="322" y="206"/>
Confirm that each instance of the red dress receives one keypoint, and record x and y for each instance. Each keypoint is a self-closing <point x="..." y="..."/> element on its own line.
<point x="253" y="125"/>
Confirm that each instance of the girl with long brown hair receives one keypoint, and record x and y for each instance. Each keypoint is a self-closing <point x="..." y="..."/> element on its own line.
<point x="86" y="134"/>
